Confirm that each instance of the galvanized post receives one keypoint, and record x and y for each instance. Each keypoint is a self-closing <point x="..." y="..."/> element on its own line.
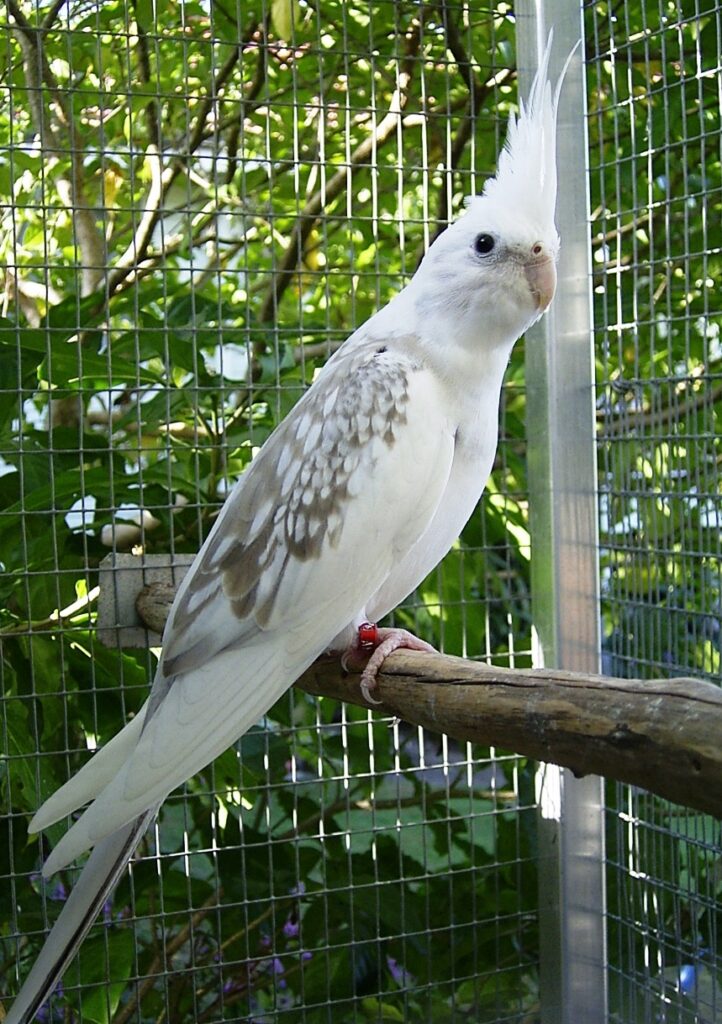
<point x="565" y="578"/>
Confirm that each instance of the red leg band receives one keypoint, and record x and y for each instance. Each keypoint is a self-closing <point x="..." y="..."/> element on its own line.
<point x="368" y="636"/>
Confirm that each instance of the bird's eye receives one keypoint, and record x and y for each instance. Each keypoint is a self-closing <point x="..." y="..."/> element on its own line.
<point x="484" y="244"/>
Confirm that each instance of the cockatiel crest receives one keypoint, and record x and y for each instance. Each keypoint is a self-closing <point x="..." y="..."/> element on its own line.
<point x="348" y="506"/>
<point x="526" y="176"/>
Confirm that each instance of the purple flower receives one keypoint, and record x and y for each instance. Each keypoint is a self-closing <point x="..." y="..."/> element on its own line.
<point x="275" y="966"/>
<point x="58" y="892"/>
<point x="291" y="928"/>
<point x="398" y="972"/>
<point x="43" y="1014"/>
<point x="306" y="954"/>
<point x="298" y="890"/>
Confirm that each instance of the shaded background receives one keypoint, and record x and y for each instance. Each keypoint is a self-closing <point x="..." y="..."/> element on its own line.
<point x="264" y="176"/>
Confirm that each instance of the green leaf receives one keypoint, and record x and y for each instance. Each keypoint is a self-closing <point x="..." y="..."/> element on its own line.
<point x="31" y="779"/>
<point x="56" y="357"/>
<point x="376" y="1010"/>
<point x="105" y="967"/>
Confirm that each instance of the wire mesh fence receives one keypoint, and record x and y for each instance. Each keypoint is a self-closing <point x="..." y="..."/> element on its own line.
<point x="201" y="202"/>
<point x="654" y="78"/>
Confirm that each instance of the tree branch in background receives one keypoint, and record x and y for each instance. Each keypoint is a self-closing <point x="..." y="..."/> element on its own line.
<point x="161" y="962"/>
<point x="52" y="14"/>
<point x="308" y="216"/>
<point x="479" y="93"/>
<point x="316" y="350"/>
<point x="58" y="135"/>
<point x="160" y="182"/>
<point x="144" y="70"/>
<point x="617" y="423"/>
<point x="213" y="94"/>
<point x="248" y="100"/>
<point x="162" y="178"/>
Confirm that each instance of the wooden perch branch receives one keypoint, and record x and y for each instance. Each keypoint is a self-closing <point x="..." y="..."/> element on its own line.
<point x="662" y="734"/>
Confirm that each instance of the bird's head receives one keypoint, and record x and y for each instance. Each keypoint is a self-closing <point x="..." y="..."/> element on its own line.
<point x="495" y="267"/>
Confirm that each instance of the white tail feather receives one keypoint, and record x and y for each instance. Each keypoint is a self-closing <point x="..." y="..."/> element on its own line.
<point x="185" y="733"/>
<point x="92" y="777"/>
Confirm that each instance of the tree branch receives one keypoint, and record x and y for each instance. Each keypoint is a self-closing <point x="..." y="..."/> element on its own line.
<point x="622" y="422"/>
<point x="478" y="94"/>
<point x="660" y="734"/>
<point x="91" y="241"/>
<point x="51" y="16"/>
<point x="212" y="95"/>
<point x="339" y="181"/>
<point x="162" y="960"/>
<point x="248" y="101"/>
<point x="160" y="182"/>
<point x="163" y="178"/>
<point x="152" y="112"/>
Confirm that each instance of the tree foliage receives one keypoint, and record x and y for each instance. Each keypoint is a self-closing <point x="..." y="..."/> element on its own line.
<point x="203" y="200"/>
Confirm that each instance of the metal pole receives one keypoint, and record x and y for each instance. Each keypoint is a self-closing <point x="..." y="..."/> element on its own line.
<point x="565" y="576"/>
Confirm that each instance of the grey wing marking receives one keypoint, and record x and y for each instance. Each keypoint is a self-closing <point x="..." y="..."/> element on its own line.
<point x="291" y="500"/>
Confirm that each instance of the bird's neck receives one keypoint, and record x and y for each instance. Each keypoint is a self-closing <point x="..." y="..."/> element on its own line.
<point x="456" y="345"/>
<point x="463" y="350"/>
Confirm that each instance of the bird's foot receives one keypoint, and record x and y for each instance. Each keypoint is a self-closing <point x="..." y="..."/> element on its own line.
<point x="381" y="642"/>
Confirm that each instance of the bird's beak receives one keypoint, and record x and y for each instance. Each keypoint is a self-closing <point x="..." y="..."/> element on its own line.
<point x="541" y="275"/>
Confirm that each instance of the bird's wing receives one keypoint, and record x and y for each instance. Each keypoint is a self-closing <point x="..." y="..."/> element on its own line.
<point x="335" y="499"/>
<point x="292" y="507"/>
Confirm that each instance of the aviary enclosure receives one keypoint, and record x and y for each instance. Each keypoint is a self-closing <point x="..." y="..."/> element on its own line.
<point x="200" y="200"/>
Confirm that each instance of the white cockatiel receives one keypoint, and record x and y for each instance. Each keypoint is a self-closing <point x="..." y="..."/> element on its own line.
<point x="350" y="503"/>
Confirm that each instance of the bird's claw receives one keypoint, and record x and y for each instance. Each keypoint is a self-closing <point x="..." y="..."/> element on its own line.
<point x="382" y="642"/>
<point x="367" y="684"/>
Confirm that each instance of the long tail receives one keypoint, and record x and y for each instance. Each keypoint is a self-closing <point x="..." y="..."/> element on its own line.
<point x="92" y="778"/>
<point x="98" y="879"/>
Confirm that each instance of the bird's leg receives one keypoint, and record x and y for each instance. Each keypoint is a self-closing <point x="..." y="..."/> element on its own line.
<point x="381" y="642"/>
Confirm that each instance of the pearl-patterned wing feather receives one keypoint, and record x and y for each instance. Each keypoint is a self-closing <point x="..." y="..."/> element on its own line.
<point x="293" y="505"/>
